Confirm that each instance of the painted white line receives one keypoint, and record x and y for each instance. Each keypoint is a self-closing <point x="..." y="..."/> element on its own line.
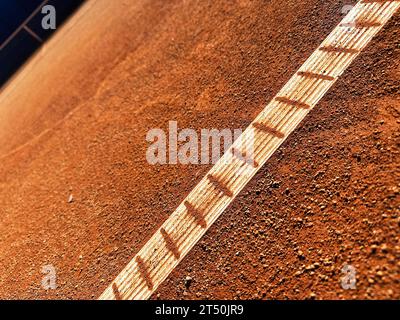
<point x="189" y="222"/>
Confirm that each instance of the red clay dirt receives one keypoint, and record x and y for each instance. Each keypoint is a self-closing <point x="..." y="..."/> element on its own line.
<point x="74" y="122"/>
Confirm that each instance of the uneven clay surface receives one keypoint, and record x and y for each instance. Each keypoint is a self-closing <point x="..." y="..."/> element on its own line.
<point x="74" y="122"/>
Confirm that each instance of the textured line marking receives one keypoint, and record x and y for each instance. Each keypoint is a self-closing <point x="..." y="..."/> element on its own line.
<point x="170" y="243"/>
<point x="242" y="156"/>
<point x="195" y="213"/>
<point x="377" y="1"/>
<point x="361" y="24"/>
<point x="116" y="292"/>
<point x="309" y="74"/>
<point x="160" y="260"/>
<point x="294" y="103"/>
<point x="220" y="186"/>
<point x="268" y="129"/>
<point x="339" y="50"/>
<point x="144" y="272"/>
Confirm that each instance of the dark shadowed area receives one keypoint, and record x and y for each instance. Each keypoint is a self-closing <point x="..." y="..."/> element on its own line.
<point x="13" y="13"/>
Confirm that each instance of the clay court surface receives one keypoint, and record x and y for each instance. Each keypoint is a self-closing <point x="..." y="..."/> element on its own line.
<point x="74" y="122"/>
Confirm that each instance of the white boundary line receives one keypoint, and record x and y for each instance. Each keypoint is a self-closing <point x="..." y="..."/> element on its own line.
<point x="189" y="222"/>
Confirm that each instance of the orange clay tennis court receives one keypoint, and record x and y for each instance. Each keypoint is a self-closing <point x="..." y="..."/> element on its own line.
<point x="76" y="191"/>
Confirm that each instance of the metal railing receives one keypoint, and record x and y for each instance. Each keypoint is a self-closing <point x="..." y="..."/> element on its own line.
<point x="24" y="26"/>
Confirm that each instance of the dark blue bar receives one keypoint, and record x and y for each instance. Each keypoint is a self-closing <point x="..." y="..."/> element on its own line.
<point x="12" y="14"/>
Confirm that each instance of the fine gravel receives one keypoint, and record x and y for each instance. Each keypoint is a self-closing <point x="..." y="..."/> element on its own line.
<point x="77" y="193"/>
